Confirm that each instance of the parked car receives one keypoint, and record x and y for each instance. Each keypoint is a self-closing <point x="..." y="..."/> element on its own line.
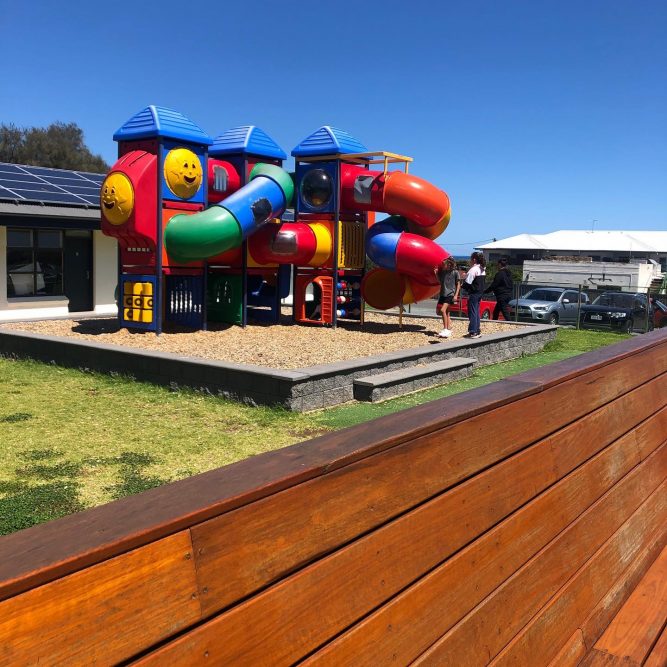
<point x="486" y="306"/>
<point x="619" y="311"/>
<point x="552" y="305"/>
<point x="659" y="314"/>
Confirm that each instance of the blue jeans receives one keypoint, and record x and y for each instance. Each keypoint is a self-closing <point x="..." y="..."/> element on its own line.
<point x="473" y="313"/>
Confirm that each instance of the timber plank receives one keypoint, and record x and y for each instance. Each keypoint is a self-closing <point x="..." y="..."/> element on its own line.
<point x="540" y="639"/>
<point x="598" y="659"/>
<point x="278" y="626"/>
<point x="244" y="550"/>
<point x="600" y="617"/>
<point x="658" y="427"/>
<point x="491" y="625"/>
<point x="105" y="613"/>
<point x="637" y="626"/>
<point x="572" y="652"/>
<point x="575" y="366"/>
<point x="43" y="553"/>
<point x="407" y="625"/>
<point x="658" y="655"/>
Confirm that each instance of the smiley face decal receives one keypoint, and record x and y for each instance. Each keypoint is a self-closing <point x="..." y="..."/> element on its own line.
<point x="183" y="172"/>
<point x="117" y="198"/>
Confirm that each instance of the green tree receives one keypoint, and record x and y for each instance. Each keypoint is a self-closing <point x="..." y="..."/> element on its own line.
<point x="60" y="145"/>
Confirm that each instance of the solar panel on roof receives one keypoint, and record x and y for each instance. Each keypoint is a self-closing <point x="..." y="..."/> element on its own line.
<point x="45" y="171"/>
<point x="65" y="178"/>
<point x="41" y="184"/>
<point x="55" y="197"/>
<point x="29" y="185"/>
<point x="26" y="178"/>
<point x="91" y="189"/>
<point x="11" y="168"/>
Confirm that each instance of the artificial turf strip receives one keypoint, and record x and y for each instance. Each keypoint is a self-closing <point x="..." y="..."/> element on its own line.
<point x="72" y="440"/>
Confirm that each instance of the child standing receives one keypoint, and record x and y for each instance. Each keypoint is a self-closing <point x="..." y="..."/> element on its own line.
<point x="450" y="286"/>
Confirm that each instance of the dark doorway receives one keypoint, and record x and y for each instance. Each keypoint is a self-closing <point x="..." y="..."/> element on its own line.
<point x="78" y="269"/>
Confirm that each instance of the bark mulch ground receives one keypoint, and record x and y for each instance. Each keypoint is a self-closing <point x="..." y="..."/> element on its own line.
<point x="286" y="345"/>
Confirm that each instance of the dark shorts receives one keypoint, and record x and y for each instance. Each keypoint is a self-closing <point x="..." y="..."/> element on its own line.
<point x="446" y="299"/>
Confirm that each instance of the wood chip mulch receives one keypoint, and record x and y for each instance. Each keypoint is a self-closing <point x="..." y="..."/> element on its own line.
<point x="284" y="346"/>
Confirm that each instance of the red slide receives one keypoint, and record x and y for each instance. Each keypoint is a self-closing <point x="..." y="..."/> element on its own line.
<point x="402" y="244"/>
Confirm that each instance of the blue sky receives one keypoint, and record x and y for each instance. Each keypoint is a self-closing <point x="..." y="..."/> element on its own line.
<point x="533" y="116"/>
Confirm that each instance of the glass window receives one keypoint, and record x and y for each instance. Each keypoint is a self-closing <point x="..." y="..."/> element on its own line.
<point x="34" y="263"/>
<point x="219" y="178"/>
<point x="49" y="239"/>
<point x="19" y="238"/>
<point x="543" y="295"/>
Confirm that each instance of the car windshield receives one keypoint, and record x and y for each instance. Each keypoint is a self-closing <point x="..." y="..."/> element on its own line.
<point x="543" y="295"/>
<point x="614" y="299"/>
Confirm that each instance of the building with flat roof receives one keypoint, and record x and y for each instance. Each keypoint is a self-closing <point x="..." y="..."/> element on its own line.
<point x="54" y="260"/>
<point x="599" y="245"/>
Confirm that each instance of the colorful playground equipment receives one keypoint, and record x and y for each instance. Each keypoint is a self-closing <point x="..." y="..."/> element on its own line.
<point x="206" y="235"/>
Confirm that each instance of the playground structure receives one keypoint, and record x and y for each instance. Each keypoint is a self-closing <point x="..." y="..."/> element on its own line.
<point x="204" y="236"/>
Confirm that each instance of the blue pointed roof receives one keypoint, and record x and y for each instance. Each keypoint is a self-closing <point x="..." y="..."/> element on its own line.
<point x="154" y="121"/>
<point x="246" y="139"/>
<point x="328" y="140"/>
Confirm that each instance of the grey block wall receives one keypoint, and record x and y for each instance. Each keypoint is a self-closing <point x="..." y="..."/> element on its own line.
<point x="301" y="390"/>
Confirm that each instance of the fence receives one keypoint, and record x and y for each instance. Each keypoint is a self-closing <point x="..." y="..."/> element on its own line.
<point x="598" y="308"/>
<point x="628" y="309"/>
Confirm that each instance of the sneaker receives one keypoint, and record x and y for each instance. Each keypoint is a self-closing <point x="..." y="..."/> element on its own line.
<point x="445" y="333"/>
<point x="475" y="335"/>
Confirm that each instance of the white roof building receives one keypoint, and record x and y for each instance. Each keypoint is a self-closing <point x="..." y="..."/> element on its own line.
<point x="601" y="245"/>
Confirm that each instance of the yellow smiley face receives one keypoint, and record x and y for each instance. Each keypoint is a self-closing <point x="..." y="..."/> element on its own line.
<point x="117" y="198"/>
<point x="183" y="172"/>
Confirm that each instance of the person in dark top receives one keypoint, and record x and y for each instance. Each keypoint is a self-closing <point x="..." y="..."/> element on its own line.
<point x="474" y="285"/>
<point x="502" y="286"/>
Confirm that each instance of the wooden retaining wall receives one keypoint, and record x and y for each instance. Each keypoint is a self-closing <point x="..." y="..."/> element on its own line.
<point x="506" y="525"/>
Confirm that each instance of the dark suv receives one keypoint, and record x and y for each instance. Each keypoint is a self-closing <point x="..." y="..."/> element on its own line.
<point x="620" y="311"/>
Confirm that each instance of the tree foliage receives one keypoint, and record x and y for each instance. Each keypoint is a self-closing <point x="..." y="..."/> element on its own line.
<point x="60" y="145"/>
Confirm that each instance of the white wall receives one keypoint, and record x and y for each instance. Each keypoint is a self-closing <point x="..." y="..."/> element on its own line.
<point x="105" y="273"/>
<point x="3" y="268"/>
<point x="629" y="277"/>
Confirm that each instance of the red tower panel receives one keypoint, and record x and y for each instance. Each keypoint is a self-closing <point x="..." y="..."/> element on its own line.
<point x="136" y="230"/>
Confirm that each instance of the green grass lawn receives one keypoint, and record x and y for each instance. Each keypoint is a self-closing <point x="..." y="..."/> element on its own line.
<point x="71" y="440"/>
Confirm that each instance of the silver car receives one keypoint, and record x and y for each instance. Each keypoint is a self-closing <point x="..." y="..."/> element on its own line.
<point x="549" y="305"/>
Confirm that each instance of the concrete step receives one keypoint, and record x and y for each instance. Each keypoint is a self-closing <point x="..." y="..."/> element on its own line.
<point x="396" y="383"/>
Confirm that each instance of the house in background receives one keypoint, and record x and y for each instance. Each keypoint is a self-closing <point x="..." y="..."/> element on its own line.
<point x="564" y="272"/>
<point x="625" y="260"/>
<point x="599" y="246"/>
<point x="54" y="260"/>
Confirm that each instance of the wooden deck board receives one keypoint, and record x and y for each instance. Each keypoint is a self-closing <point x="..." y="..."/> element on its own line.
<point x="638" y="625"/>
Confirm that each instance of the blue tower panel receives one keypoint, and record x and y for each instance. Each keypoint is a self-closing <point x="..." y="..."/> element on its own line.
<point x="175" y="171"/>
<point x="316" y="186"/>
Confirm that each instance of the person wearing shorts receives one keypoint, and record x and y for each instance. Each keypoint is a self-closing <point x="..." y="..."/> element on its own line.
<point x="450" y="286"/>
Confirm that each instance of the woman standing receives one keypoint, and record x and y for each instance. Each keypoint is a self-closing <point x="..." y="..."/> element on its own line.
<point x="474" y="285"/>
